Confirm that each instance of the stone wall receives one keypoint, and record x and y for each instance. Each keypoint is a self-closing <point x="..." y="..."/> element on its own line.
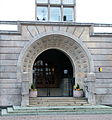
<point x="13" y="43"/>
<point x="101" y="51"/>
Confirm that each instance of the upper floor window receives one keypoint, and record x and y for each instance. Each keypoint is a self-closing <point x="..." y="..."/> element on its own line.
<point x="68" y="14"/>
<point x="42" y="13"/>
<point x="55" y="14"/>
<point x="55" y="10"/>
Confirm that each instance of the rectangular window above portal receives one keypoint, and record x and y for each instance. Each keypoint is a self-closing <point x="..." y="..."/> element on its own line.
<point x="55" y="10"/>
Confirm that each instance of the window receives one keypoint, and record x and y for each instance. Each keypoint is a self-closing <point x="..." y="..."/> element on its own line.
<point x="42" y="13"/>
<point x="55" y="10"/>
<point x="68" y="14"/>
<point x="55" y="1"/>
<point x="68" y="1"/>
<point x="55" y="14"/>
<point x="42" y="1"/>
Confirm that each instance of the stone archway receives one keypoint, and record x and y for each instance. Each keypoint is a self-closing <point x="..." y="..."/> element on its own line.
<point x="65" y="42"/>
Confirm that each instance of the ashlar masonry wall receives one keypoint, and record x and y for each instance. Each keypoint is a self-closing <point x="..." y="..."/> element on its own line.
<point x="12" y="43"/>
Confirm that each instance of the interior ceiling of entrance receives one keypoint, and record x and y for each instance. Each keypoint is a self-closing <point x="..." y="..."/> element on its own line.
<point x="58" y="58"/>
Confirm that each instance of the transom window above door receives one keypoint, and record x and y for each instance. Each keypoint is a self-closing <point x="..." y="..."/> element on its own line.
<point x="55" y="10"/>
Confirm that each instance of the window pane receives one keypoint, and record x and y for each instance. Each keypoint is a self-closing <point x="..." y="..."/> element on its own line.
<point x="42" y="13"/>
<point x="68" y="14"/>
<point x="55" y="1"/>
<point x="42" y="1"/>
<point x="55" y="14"/>
<point x="68" y="1"/>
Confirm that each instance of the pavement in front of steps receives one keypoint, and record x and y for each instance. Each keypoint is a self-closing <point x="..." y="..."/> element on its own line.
<point x="59" y="117"/>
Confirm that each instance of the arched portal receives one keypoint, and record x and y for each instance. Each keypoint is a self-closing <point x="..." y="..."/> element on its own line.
<point x="70" y="45"/>
<point x="53" y="74"/>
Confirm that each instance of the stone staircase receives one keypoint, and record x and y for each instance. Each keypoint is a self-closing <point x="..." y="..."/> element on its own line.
<point x="56" y="106"/>
<point x="58" y="101"/>
<point x="56" y="110"/>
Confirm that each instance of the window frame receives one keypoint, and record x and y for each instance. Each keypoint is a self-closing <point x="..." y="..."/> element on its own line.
<point x="62" y="6"/>
<point x="67" y="14"/>
<point x="47" y="13"/>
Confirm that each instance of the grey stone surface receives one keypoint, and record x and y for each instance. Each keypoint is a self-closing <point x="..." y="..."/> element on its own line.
<point x="8" y="75"/>
<point x="104" y="81"/>
<point x="10" y="99"/>
<point x="101" y="45"/>
<point x="10" y="37"/>
<point x="103" y="75"/>
<point x="101" y="51"/>
<point x="86" y="50"/>
<point x="102" y="57"/>
<point x="59" y="117"/>
<point x="7" y="50"/>
<point x="107" y="63"/>
<point x="8" y="62"/>
<point x="9" y="56"/>
<point x="10" y="91"/>
<point x="10" y="85"/>
<point x="25" y="89"/>
<point x="12" y="43"/>
<point x="8" y="68"/>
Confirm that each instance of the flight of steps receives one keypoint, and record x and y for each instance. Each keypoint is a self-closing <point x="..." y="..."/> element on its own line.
<point x="56" y="106"/>
<point x="56" y="110"/>
<point x="57" y="101"/>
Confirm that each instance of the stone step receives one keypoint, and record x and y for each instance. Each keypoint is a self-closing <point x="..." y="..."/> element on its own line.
<point x="58" y="104"/>
<point x="58" y="98"/>
<point x="57" y="101"/>
<point x="56" y="110"/>
<point x="40" y="102"/>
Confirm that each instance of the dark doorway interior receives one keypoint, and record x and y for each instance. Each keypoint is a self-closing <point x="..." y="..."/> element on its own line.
<point x="49" y="76"/>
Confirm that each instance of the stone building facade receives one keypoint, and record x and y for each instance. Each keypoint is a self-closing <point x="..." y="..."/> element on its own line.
<point x="86" y="50"/>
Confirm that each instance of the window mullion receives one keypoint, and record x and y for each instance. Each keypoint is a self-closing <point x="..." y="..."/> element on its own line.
<point x="74" y="13"/>
<point x="61" y="12"/>
<point x="48" y="11"/>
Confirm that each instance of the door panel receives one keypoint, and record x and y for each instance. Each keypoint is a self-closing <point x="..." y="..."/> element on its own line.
<point x="44" y="74"/>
